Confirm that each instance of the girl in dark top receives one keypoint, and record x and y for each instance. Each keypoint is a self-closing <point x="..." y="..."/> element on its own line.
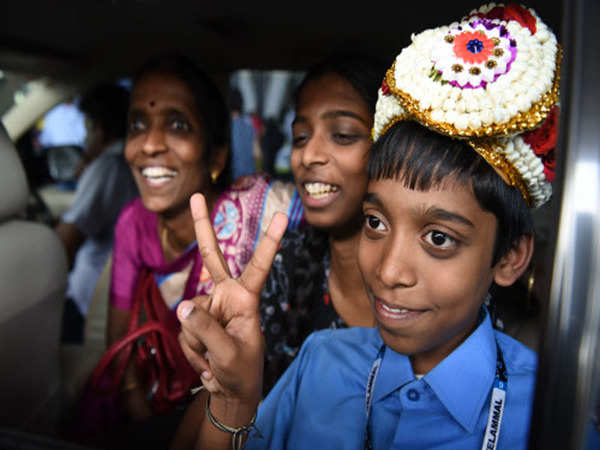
<point x="314" y="281"/>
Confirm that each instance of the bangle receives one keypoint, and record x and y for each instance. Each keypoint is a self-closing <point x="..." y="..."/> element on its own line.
<point x="238" y="434"/>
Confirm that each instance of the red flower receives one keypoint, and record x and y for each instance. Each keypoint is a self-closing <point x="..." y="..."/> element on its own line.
<point x="542" y="140"/>
<point x="549" y="162"/>
<point x="473" y="47"/>
<point x="516" y="12"/>
<point x="385" y="89"/>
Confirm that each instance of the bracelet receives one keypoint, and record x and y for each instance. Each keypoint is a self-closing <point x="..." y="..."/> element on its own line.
<point x="238" y="434"/>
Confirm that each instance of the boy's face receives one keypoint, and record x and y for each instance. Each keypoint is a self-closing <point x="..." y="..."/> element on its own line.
<point x="426" y="261"/>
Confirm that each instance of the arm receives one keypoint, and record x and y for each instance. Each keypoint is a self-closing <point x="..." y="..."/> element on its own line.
<point x="221" y="336"/>
<point x="71" y="238"/>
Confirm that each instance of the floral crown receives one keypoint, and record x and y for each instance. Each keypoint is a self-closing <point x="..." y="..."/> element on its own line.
<point x="491" y="79"/>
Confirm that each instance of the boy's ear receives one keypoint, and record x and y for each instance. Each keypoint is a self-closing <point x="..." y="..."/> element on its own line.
<point x="512" y="265"/>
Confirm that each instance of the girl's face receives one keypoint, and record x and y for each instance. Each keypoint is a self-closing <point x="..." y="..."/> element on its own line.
<point x="426" y="260"/>
<point x="331" y="140"/>
<point x="165" y="144"/>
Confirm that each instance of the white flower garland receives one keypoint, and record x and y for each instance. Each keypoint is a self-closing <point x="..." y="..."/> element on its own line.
<point x="474" y="74"/>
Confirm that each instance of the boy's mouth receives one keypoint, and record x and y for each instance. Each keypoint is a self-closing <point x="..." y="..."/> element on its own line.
<point x="398" y="312"/>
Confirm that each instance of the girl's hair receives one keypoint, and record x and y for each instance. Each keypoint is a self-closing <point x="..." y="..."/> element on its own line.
<point x="210" y="105"/>
<point x="422" y="159"/>
<point x="363" y="72"/>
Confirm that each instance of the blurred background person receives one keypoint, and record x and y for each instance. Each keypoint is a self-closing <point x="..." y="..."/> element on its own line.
<point x="104" y="187"/>
<point x="244" y="140"/>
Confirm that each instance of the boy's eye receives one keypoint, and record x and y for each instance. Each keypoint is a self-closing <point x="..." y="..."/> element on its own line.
<point x="373" y="223"/>
<point x="438" y="239"/>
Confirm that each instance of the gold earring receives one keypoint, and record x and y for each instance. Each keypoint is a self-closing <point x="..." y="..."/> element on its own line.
<point x="214" y="175"/>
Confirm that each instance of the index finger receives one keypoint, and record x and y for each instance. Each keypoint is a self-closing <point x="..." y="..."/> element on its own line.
<point x="256" y="272"/>
<point x="207" y="241"/>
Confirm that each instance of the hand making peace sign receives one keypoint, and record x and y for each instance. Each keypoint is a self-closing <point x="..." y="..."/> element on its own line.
<point x="220" y="333"/>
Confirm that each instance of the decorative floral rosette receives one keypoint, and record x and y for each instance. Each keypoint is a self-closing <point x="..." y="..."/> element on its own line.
<point x="494" y="75"/>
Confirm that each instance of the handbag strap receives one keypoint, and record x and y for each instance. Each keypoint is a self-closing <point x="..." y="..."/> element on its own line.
<point x="160" y="329"/>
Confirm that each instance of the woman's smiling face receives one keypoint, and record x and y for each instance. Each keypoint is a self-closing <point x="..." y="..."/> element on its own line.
<point x="331" y="140"/>
<point x="165" y="145"/>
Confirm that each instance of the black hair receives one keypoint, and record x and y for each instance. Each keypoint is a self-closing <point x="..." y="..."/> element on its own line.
<point x="105" y="105"/>
<point x="209" y="100"/>
<point x="363" y="72"/>
<point x="422" y="159"/>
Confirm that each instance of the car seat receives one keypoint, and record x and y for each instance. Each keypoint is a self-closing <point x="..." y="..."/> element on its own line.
<point x="33" y="279"/>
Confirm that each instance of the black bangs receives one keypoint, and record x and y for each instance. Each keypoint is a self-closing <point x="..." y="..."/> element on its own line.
<point x="421" y="159"/>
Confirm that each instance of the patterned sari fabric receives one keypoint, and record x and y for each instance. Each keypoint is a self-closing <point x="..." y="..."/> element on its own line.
<point x="240" y="217"/>
<point x="295" y="300"/>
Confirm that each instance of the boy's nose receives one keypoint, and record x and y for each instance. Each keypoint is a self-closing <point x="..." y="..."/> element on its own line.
<point x="314" y="151"/>
<point x="155" y="141"/>
<point x="396" y="267"/>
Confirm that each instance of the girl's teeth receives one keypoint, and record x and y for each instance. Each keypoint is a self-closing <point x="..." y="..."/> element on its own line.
<point x="319" y="190"/>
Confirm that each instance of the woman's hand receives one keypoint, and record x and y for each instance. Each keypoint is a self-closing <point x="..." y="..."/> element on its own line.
<point x="220" y="333"/>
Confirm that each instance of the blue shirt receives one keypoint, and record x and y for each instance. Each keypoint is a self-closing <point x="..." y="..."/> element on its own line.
<point x="320" y="400"/>
<point x="242" y="147"/>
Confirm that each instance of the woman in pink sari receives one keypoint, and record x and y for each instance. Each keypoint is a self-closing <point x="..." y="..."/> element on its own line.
<point x="177" y="144"/>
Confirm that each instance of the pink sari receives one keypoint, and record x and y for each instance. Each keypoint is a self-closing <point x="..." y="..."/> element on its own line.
<point x="240" y="217"/>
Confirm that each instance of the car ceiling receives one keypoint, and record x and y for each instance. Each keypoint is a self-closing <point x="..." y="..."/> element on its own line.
<point x="101" y="38"/>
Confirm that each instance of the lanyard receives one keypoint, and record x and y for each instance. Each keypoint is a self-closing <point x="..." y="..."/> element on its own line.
<point x="497" y="402"/>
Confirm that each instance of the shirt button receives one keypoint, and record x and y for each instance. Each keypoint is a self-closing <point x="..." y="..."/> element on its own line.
<point x="413" y="395"/>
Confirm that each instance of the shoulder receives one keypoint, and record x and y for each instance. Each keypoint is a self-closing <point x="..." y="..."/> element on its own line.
<point x="519" y="359"/>
<point x="343" y="343"/>
<point x="110" y="159"/>
<point x="248" y="183"/>
<point x="133" y="212"/>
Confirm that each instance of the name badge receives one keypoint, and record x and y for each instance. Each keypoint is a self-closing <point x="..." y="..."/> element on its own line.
<point x="492" y="431"/>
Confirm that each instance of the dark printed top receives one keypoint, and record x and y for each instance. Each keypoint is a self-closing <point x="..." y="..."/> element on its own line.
<point x="295" y="300"/>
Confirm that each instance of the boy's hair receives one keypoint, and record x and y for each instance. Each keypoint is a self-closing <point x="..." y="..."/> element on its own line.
<point x="106" y="105"/>
<point x="210" y="103"/>
<point x="422" y="159"/>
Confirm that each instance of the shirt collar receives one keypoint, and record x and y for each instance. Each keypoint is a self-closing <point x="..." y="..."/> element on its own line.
<point x="461" y="385"/>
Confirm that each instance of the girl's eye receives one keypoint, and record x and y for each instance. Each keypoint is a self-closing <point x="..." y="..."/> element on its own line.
<point x="299" y="140"/>
<point x="373" y="223"/>
<point x="344" y="139"/>
<point x="438" y="239"/>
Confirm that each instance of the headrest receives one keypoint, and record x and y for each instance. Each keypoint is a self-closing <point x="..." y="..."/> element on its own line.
<point x="14" y="191"/>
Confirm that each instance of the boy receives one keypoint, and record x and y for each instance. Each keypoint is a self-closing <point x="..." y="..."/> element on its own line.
<point x="444" y="218"/>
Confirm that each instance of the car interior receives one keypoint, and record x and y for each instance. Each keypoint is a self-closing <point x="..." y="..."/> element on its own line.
<point x="51" y="52"/>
